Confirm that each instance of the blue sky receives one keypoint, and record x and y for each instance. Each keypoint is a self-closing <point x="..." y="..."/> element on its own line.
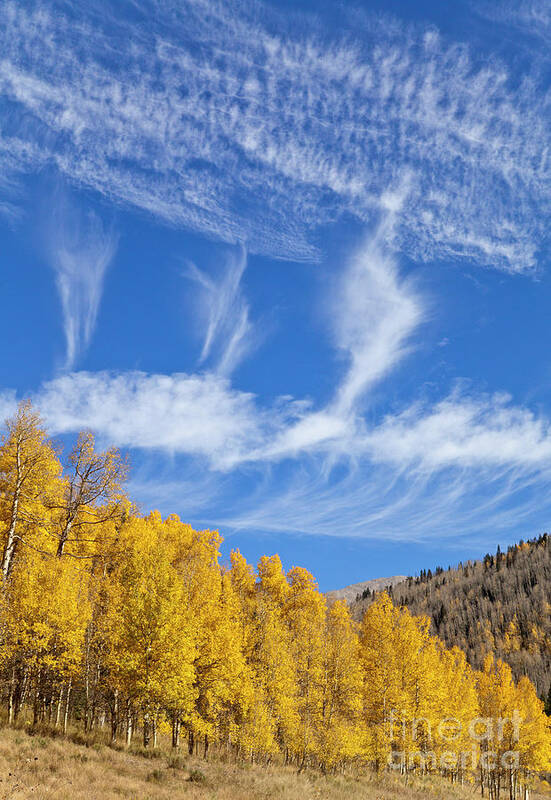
<point x="294" y="259"/>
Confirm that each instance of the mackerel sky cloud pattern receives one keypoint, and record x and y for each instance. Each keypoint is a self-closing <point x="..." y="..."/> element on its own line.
<point x="205" y="114"/>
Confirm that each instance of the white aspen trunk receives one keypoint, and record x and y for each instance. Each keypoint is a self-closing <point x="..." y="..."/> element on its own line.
<point x="9" y="549"/>
<point x="146" y="728"/>
<point x="36" y="699"/>
<point x="128" y="724"/>
<point x="58" y="710"/>
<point x="176" y="730"/>
<point x="67" y="702"/>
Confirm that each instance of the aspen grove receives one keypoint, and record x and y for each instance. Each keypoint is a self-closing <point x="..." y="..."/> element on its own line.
<point x="129" y="622"/>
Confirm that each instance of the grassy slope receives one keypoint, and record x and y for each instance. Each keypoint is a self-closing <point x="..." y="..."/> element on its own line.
<point x="40" y="767"/>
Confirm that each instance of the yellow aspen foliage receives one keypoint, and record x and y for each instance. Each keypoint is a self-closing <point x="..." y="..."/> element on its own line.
<point x="305" y="615"/>
<point x="499" y="728"/>
<point x="273" y="662"/>
<point x="393" y="652"/>
<point x="456" y="695"/>
<point x="152" y="648"/>
<point x="380" y="689"/>
<point x="256" y="735"/>
<point x="234" y="691"/>
<point x="511" y="640"/>
<point x="92" y="495"/>
<point x="29" y="486"/>
<point x="410" y="688"/>
<point x="338" y="737"/>
<point x="45" y="610"/>
<point x="534" y="743"/>
<point x="243" y="580"/>
<point x="213" y="610"/>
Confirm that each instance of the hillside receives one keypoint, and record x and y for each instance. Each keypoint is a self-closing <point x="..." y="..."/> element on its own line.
<point x="500" y="603"/>
<point x="350" y="593"/>
<point x="56" y="769"/>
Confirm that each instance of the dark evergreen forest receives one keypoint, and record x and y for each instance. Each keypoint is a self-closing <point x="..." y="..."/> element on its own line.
<point x="500" y="604"/>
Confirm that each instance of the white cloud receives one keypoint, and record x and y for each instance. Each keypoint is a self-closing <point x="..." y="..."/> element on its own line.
<point x="80" y="250"/>
<point x="10" y="194"/>
<point x="200" y="415"/>
<point x="8" y="404"/>
<point x="229" y="330"/>
<point x="261" y="134"/>
<point x="374" y="313"/>
<point x="375" y="316"/>
<point x="462" y="464"/>
<point x="465" y="432"/>
<point x="462" y="467"/>
<point x="313" y="431"/>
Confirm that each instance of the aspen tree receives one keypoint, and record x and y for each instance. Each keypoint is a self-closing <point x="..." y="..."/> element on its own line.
<point x="305" y="616"/>
<point x="400" y="663"/>
<point x="381" y="706"/>
<point x="197" y="563"/>
<point x="497" y="699"/>
<point x="274" y="655"/>
<point x="257" y="732"/>
<point x="338" y="736"/>
<point x="243" y="580"/>
<point x="534" y="742"/>
<point x="142" y="617"/>
<point x="151" y="658"/>
<point x="45" y="611"/>
<point x="457" y="706"/>
<point x="93" y="495"/>
<point x="29" y="483"/>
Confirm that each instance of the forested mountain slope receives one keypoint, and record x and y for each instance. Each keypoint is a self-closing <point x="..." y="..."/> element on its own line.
<point x="499" y="604"/>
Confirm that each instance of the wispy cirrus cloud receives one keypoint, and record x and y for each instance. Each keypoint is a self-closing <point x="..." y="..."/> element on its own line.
<point x="464" y="466"/>
<point x="530" y="18"/>
<point x="80" y="249"/>
<point x="228" y="328"/>
<point x="203" y="415"/>
<point x="10" y="196"/>
<point x="376" y="314"/>
<point x="208" y="112"/>
<point x="385" y="501"/>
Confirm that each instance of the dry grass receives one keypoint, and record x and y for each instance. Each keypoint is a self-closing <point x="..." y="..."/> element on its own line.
<point x="40" y="767"/>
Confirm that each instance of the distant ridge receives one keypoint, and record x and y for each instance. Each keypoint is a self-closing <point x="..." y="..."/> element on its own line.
<point x="350" y="593"/>
<point x="500" y="603"/>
